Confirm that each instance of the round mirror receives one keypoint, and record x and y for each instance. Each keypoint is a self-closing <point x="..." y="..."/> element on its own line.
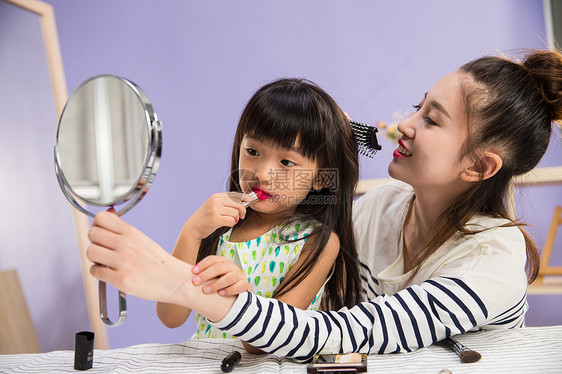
<point x="108" y="145"/>
<point x="107" y="152"/>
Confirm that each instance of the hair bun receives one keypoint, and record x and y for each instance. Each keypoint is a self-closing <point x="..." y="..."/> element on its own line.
<point x="546" y="68"/>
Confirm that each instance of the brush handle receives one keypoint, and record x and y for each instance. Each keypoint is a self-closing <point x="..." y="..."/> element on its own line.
<point x="466" y="354"/>
<point x="455" y="345"/>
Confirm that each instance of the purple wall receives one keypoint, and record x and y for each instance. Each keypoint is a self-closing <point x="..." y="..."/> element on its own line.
<point x="37" y="236"/>
<point x="199" y="62"/>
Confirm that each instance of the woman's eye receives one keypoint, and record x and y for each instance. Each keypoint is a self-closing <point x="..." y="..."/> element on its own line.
<point x="429" y="121"/>
<point x="252" y="152"/>
<point x="287" y="163"/>
<point x="417" y="107"/>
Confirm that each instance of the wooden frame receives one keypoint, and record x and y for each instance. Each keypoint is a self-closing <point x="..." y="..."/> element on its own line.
<point x="58" y="84"/>
<point x="18" y="332"/>
<point x="542" y="284"/>
<point x="548" y="244"/>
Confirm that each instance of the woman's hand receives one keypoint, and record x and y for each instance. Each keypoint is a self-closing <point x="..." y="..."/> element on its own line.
<point x="220" y="210"/>
<point x="133" y="263"/>
<point x="222" y="275"/>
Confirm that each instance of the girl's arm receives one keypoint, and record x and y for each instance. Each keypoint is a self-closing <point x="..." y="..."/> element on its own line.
<point x="222" y="276"/>
<point x="221" y="209"/>
<point x="302" y="294"/>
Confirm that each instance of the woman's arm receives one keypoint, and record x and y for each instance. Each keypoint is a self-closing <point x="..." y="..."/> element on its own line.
<point x="484" y="288"/>
<point x="133" y="263"/>
<point x="186" y="249"/>
<point x="414" y="317"/>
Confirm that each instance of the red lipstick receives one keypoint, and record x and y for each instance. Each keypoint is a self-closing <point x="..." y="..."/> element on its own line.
<point x="261" y="194"/>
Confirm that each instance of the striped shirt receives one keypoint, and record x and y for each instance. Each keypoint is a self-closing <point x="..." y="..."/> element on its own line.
<point x="475" y="282"/>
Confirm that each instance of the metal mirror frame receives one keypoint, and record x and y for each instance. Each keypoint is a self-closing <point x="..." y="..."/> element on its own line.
<point x="133" y="196"/>
<point x="152" y="163"/>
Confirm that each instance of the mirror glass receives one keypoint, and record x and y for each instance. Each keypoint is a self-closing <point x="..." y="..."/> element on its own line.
<point x="107" y="152"/>
<point x="108" y="144"/>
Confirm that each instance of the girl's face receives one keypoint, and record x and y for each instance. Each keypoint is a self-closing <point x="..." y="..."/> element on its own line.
<point x="432" y="137"/>
<point x="280" y="177"/>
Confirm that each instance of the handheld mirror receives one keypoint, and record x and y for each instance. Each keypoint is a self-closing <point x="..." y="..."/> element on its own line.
<point x="107" y="152"/>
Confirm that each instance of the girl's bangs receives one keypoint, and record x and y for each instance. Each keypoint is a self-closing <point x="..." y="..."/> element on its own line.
<point x="287" y="127"/>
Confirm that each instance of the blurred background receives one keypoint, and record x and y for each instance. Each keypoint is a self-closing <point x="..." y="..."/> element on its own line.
<point x="199" y="62"/>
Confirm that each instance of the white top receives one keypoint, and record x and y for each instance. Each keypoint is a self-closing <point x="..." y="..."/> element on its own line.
<point x="473" y="283"/>
<point x="491" y="262"/>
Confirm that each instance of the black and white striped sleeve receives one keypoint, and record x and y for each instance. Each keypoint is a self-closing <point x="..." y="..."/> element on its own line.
<point x="413" y="317"/>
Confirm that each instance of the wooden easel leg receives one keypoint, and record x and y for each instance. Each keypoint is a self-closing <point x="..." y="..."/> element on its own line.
<point x="547" y="249"/>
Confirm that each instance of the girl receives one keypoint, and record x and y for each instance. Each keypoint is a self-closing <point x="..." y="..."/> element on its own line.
<point x="296" y="241"/>
<point x="441" y="254"/>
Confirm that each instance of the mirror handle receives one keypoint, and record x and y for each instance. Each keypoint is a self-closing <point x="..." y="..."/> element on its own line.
<point x="102" y="285"/>
<point x="103" y="306"/>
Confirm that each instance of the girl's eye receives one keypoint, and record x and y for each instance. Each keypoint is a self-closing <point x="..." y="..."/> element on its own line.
<point x="287" y="163"/>
<point x="252" y="152"/>
<point x="417" y="107"/>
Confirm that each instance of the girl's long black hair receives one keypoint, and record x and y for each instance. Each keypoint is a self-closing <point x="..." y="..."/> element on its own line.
<point x="279" y="113"/>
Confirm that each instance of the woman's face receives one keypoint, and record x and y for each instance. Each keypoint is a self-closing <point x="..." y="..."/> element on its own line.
<point x="432" y="137"/>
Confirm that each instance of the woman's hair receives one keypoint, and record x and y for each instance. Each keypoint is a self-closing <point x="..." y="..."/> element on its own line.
<point x="280" y="113"/>
<point x="510" y="107"/>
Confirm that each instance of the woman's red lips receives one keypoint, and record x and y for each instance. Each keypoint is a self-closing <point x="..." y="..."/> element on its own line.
<point x="401" y="151"/>
<point x="397" y="154"/>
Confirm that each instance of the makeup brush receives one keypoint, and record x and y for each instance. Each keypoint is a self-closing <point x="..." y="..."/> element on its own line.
<point x="366" y="138"/>
<point x="466" y="354"/>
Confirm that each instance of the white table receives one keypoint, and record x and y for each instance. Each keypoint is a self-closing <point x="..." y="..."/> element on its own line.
<point x="526" y="350"/>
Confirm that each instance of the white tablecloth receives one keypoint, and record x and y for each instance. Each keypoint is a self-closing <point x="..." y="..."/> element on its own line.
<point x="526" y="350"/>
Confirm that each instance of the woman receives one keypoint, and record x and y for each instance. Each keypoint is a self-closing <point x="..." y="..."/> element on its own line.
<point x="440" y="254"/>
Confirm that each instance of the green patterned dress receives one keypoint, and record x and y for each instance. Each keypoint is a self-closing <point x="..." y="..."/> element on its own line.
<point x="265" y="260"/>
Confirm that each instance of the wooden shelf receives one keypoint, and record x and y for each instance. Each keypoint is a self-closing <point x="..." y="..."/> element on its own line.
<point x="537" y="177"/>
<point x="550" y="286"/>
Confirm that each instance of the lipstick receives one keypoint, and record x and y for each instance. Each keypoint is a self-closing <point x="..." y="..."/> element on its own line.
<point x="261" y="194"/>
<point x="254" y="198"/>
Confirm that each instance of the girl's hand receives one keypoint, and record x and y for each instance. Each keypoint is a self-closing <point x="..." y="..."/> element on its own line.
<point x="221" y="209"/>
<point x="222" y="276"/>
<point x="133" y="263"/>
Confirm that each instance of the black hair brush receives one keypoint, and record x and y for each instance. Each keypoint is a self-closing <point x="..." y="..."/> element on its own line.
<point x="366" y="138"/>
